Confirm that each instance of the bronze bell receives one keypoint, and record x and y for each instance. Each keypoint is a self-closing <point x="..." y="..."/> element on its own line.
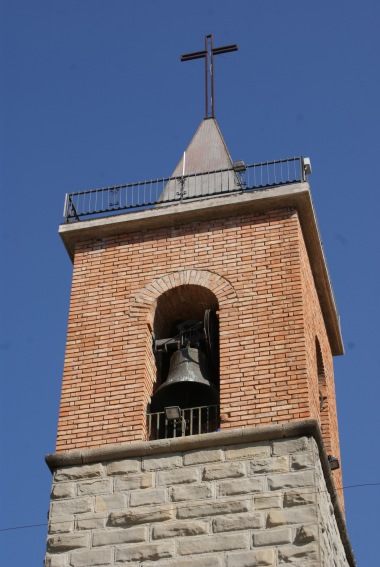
<point x="187" y="385"/>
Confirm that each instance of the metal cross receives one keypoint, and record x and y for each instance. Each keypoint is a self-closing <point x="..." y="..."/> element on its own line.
<point x="208" y="55"/>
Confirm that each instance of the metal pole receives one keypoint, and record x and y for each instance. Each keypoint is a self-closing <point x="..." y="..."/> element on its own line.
<point x="206" y="73"/>
<point x="212" y="77"/>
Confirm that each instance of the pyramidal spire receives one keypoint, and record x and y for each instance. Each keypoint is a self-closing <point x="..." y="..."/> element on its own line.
<point x="198" y="172"/>
<point x="207" y="151"/>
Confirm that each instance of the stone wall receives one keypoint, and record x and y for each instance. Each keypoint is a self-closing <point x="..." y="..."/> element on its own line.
<point x="260" y="503"/>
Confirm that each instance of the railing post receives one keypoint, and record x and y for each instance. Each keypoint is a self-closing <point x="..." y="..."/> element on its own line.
<point x="65" y="207"/>
<point x="302" y="168"/>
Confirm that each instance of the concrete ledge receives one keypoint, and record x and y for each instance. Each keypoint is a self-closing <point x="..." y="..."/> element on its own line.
<point x="178" y="444"/>
<point x="308" y="427"/>
<point x="174" y="214"/>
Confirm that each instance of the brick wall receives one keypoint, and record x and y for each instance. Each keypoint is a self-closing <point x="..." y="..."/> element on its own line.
<point x="315" y="334"/>
<point x="254" y="264"/>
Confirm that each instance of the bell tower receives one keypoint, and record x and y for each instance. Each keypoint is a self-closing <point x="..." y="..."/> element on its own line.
<point x="197" y="421"/>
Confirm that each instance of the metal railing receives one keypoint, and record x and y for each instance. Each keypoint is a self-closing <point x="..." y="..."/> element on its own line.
<point x="158" y="192"/>
<point x="194" y="421"/>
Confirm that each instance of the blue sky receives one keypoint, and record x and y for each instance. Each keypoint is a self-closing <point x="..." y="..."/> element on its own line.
<point x="93" y="94"/>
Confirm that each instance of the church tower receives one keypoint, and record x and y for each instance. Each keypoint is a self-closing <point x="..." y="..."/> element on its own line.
<point x="197" y="422"/>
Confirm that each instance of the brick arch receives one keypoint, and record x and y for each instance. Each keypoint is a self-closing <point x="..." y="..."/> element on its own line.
<point x="324" y="397"/>
<point x="147" y="297"/>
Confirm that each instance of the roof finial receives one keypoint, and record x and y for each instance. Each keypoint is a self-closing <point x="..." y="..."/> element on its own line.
<point x="208" y="55"/>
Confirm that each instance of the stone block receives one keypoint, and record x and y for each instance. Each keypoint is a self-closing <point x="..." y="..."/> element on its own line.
<point x="146" y="552"/>
<point x="298" y="515"/>
<point x="299" y="497"/>
<point x="301" y="461"/>
<point x="306" y="534"/>
<point x="238" y="522"/>
<point x="166" y="462"/>
<point x="247" y="451"/>
<point x="148" y="496"/>
<point x="56" y="560"/>
<point x="256" y="558"/>
<point x="179" y="529"/>
<point x="63" y="490"/>
<point x="207" y="544"/>
<point x="269" y="465"/>
<point x="66" y="542"/>
<point x="116" y="537"/>
<point x="61" y="524"/>
<point x="76" y="473"/>
<point x="178" y="476"/>
<point x="205" y="561"/>
<point x="203" y="456"/>
<point x="91" y="522"/>
<point x="190" y="492"/>
<point x="266" y="501"/>
<point x="142" y="481"/>
<point x="241" y="486"/>
<point x="127" y="466"/>
<point x="289" y="446"/>
<point x="108" y="502"/>
<point x="291" y="480"/>
<point x="298" y="555"/>
<point x="213" y="509"/>
<point x="91" y="558"/>
<point x="95" y="487"/>
<point x="74" y="506"/>
<point x="141" y="516"/>
<point x="224" y="470"/>
<point x="272" y="537"/>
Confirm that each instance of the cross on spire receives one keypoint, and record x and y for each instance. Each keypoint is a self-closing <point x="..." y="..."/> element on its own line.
<point x="208" y="55"/>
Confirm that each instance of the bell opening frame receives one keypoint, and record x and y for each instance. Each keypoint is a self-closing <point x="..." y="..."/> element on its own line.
<point x="185" y="351"/>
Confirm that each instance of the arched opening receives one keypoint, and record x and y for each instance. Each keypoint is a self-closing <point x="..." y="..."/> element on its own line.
<point x="323" y="397"/>
<point x="186" y="351"/>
